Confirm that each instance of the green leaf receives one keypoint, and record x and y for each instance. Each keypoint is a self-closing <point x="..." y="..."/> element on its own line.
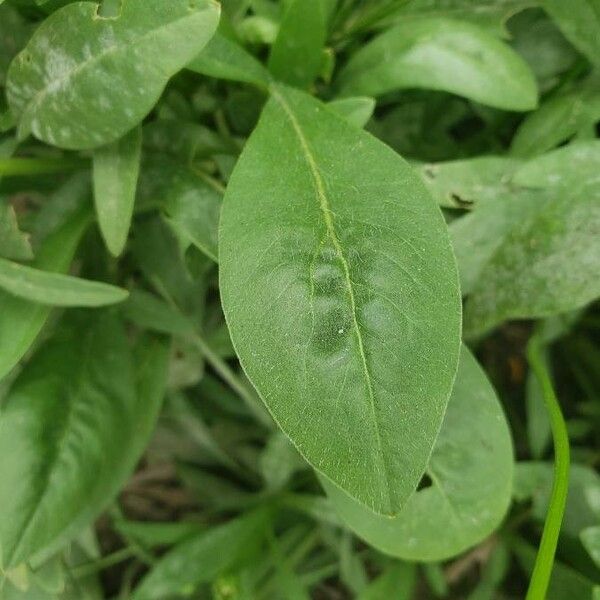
<point x="547" y="257"/>
<point x="193" y="207"/>
<point x="469" y="183"/>
<point x="357" y="110"/>
<point x="534" y="480"/>
<point x="471" y="479"/>
<point x="557" y="120"/>
<point x="296" y="55"/>
<point x="491" y="15"/>
<point x="441" y="54"/>
<point x="590" y="538"/>
<point x="21" y="321"/>
<point x="398" y="581"/>
<point x="223" y="58"/>
<point x="14" y="32"/>
<point x="54" y="289"/>
<point x="70" y="435"/>
<point x="340" y="292"/>
<point x="116" y="170"/>
<point x="13" y="242"/>
<point x="212" y="552"/>
<point x="152" y="535"/>
<point x="84" y="81"/>
<point x="579" y="20"/>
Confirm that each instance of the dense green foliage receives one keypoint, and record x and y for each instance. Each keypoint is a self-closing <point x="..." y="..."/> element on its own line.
<point x="294" y="295"/>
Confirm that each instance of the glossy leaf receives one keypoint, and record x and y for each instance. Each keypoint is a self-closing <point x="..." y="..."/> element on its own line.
<point x="55" y="289"/>
<point x="213" y="552"/>
<point x="296" y="55"/>
<point x="13" y="242"/>
<point x="21" y="321"/>
<point x="70" y="435"/>
<point x="548" y="258"/>
<point x="471" y="480"/>
<point x="116" y="170"/>
<point x="340" y="292"/>
<point x="223" y="58"/>
<point x="80" y="68"/>
<point x="441" y="54"/>
<point x="579" y="20"/>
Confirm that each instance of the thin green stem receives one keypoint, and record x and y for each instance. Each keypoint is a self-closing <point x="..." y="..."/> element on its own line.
<point x="544" y="561"/>
<point x="232" y="380"/>
<point x="11" y="167"/>
<point x="89" y="568"/>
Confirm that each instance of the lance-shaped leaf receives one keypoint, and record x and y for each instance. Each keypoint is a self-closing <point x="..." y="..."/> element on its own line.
<point x="70" y="434"/>
<point x="84" y="80"/>
<point x="470" y="475"/>
<point x="442" y="54"/>
<point x="297" y="54"/>
<point x="340" y="291"/>
<point x="55" y="289"/>
<point x="21" y="321"/>
<point x="116" y="171"/>
<point x="213" y="552"/>
<point x="224" y="58"/>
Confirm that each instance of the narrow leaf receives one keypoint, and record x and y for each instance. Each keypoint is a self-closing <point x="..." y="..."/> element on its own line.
<point x="54" y="289"/>
<point x="296" y="55"/>
<point x="339" y="289"/>
<point x="116" y="170"/>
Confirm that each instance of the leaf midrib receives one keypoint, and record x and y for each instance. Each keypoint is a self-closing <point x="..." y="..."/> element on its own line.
<point x="58" y="83"/>
<point x="328" y="218"/>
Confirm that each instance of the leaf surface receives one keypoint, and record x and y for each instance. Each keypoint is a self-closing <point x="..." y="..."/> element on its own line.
<point x="441" y="54"/>
<point x="21" y="321"/>
<point x="116" y="169"/>
<point x="546" y="258"/>
<point x="296" y="55"/>
<point x="84" y="81"/>
<point x="213" y="551"/>
<point x="579" y="20"/>
<point x="70" y="435"/>
<point x="339" y="289"/>
<point x="55" y="289"/>
<point x="13" y="242"/>
<point x="471" y="480"/>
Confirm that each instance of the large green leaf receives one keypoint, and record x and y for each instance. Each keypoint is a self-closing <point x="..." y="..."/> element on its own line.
<point x="21" y="321"/>
<point x="55" y="289"/>
<point x="471" y="480"/>
<point x="441" y="54"/>
<point x="546" y="259"/>
<point x="73" y="427"/>
<point x="14" y="32"/>
<point x="340" y="292"/>
<point x="297" y="54"/>
<point x="84" y="80"/>
<point x="579" y="20"/>
<point x="13" y="242"/>
<point x="116" y="170"/>
<point x="201" y="558"/>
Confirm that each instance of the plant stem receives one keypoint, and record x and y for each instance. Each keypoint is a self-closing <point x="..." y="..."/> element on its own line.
<point x="39" y="166"/>
<point x="227" y="374"/>
<point x="89" y="568"/>
<point x="544" y="561"/>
